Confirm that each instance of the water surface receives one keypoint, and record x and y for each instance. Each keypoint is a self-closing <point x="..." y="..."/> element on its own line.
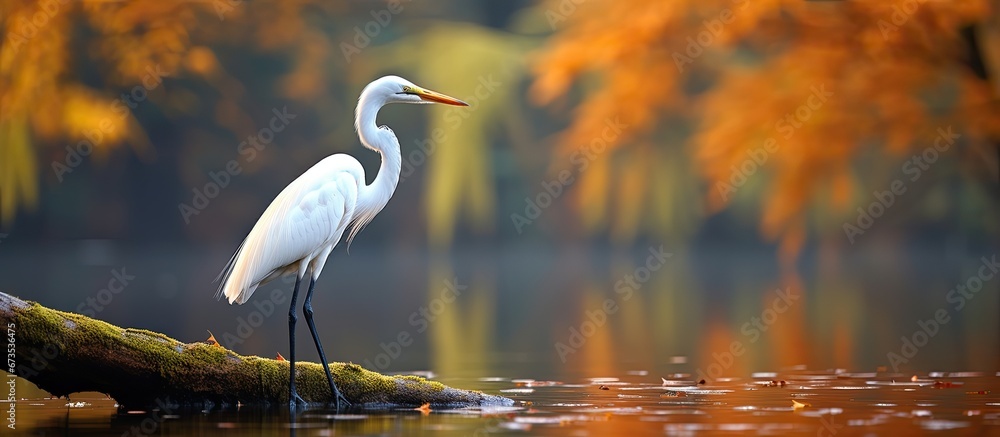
<point x="797" y="401"/>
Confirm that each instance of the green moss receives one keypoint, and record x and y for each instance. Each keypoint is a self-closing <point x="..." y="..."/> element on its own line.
<point x="139" y="362"/>
<point x="431" y="385"/>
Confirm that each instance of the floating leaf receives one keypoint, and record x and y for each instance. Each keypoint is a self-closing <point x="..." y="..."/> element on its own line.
<point x="424" y="409"/>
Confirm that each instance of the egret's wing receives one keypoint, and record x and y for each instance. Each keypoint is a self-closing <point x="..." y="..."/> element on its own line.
<point x="308" y="216"/>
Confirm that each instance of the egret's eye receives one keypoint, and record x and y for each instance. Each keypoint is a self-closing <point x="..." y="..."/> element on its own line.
<point x="406" y="90"/>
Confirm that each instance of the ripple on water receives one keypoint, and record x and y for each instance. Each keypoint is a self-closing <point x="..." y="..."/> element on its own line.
<point x="603" y="380"/>
<point x="677" y="382"/>
<point x="760" y="428"/>
<point x="517" y="390"/>
<point x="703" y="391"/>
<point x="336" y="416"/>
<point x="610" y="410"/>
<point x="942" y="425"/>
<point x="492" y="379"/>
<point x="642" y="405"/>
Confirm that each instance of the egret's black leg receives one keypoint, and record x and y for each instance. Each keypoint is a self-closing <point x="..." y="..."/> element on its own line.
<point x="293" y="397"/>
<point x="307" y="309"/>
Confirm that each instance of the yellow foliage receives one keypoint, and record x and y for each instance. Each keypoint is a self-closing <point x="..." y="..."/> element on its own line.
<point x="17" y="168"/>
<point x="85" y="112"/>
<point x="45" y="104"/>
<point x="483" y="67"/>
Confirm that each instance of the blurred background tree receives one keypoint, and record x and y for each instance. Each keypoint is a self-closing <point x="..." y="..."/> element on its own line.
<point x="75" y="77"/>
<point x="67" y="105"/>
<point x="715" y="129"/>
<point x="728" y="87"/>
<point x="716" y="103"/>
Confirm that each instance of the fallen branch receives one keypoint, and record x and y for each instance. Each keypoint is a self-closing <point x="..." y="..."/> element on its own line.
<point x="65" y="353"/>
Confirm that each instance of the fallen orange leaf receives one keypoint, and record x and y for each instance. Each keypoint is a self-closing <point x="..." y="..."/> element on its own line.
<point x="211" y="340"/>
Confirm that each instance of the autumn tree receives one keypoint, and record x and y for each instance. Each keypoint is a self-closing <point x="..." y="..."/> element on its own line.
<point x="789" y="100"/>
<point x="72" y="74"/>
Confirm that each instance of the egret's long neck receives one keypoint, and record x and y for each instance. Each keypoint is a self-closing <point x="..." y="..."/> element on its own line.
<point x="383" y="142"/>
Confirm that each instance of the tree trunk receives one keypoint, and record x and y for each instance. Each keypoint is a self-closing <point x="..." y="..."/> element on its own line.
<point x="64" y="353"/>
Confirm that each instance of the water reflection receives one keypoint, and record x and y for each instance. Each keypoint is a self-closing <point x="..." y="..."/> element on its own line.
<point x="482" y="317"/>
<point x="799" y="401"/>
<point x="553" y="311"/>
<point x="461" y="319"/>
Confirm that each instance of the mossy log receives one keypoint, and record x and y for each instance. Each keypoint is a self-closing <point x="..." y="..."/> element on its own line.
<point x="65" y="353"/>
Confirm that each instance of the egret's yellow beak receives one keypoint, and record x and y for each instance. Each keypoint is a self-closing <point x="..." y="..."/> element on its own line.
<point x="433" y="96"/>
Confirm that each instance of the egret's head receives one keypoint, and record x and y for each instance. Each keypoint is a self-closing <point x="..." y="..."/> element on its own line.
<point x="394" y="89"/>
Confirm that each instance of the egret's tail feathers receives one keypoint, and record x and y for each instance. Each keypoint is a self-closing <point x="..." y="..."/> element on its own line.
<point x="234" y="289"/>
<point x="225" y="274"/>
<point x="237" y="282"/>
<point x="241" y="298"/>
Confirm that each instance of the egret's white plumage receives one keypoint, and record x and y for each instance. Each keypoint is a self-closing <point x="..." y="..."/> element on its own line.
<point x="299" y="229"/>
<point x="303" y="224"/>
<point x="307" y="219"/>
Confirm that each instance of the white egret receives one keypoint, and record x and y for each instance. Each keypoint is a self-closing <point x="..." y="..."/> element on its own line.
<point x="306" y="220"/>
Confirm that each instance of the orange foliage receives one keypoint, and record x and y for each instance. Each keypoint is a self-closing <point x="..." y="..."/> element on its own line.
<point x="822" y="81"/>
<point x="53" y="51"/>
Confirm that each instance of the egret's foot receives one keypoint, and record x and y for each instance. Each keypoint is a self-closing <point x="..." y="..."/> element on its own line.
<point x="340" y="401"/>
<point x="297" y="401"/>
